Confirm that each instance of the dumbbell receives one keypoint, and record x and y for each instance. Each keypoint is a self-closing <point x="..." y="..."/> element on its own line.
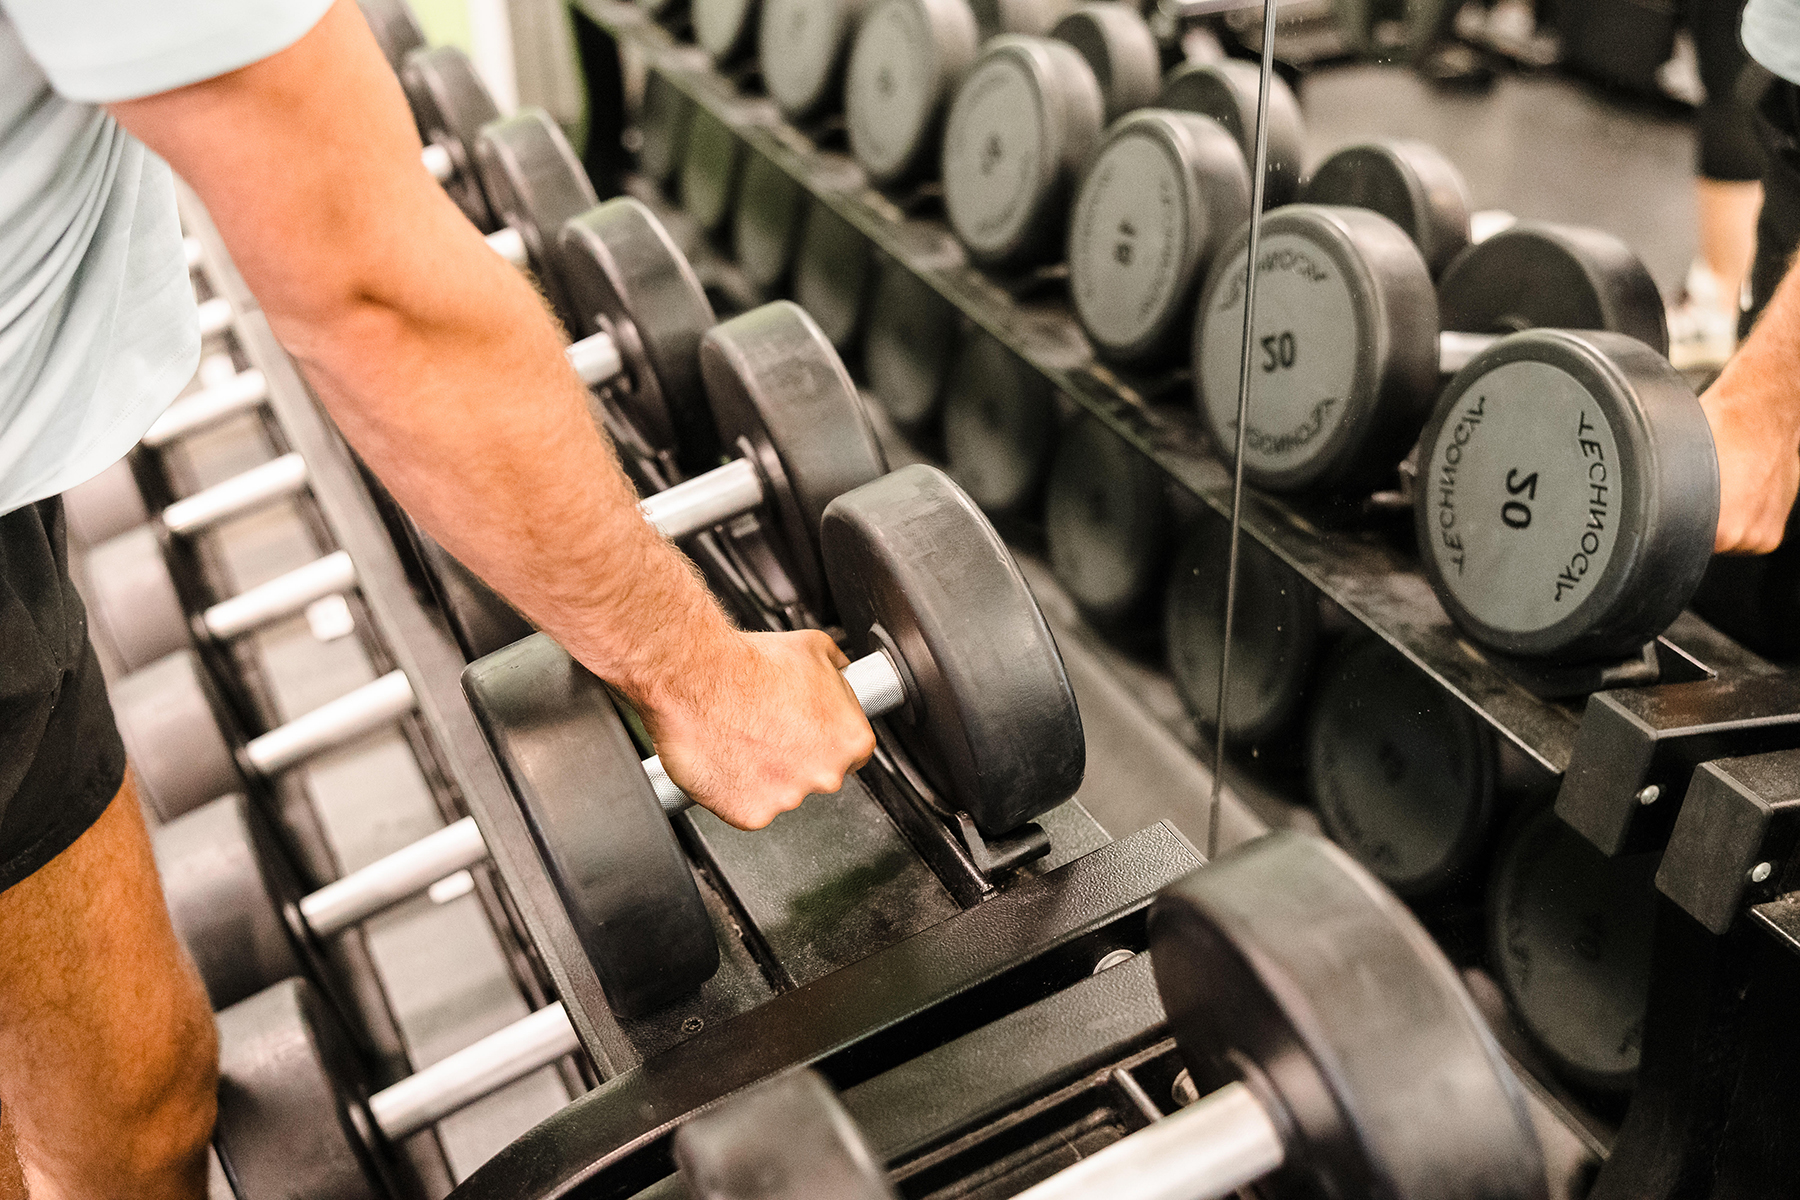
<point x="1405" y="776"/>
<point x="1229" y="92"/>
<point x="725" y="29"/>
<point x="1347" y="356"/>
<point x="239" y="909"/>
<point x="1568" y="496"/>
<point x="1409" y="182"/>
<point x="1569" y="933"/>
<point x="395" y="28"/>
<point x="1000" y="427"/>
<point x="534" y="183"/>
<point x="946" y="639"/>
<point x="298" y="1119"/>
<point x="905" y="63"/>
<point x="176" y="730"/>
<point x="1024" y="121"/>
<point x="802" y="47"/>
<point x="451" y="106"/>
<point x="1162" y="193"/>
<point x="1109" y="525"/>
<point x="1347" y="1061"/>
<point x="1278" y="624"/>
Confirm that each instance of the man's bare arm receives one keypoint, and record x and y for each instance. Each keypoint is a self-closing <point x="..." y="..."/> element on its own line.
<point x="443" y="369"/>
<point x="1754" y="408"/>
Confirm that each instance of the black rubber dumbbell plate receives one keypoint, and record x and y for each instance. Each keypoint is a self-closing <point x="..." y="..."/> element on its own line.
<point x="226" y="889"/>
<point x="783" y="399"/>
<point x="535" y="184"/>
<point x="287" y="1113"/>
<point x="1274" y="633"/>
<point x="599" y="830"/>
<point x="451" y="105"/>
<point x="1344" y="358"/>
<point x="992" y="720"/>
<point x="1287" y="962"/>
<point x="1535" y="275"/>
<point x="1570" y="933"/>
<point x="1403" y="774"/>
<point x="627" y="278"/>
<point x="1107" y="525"/>
<point x="786" y="1139"/>
<point x="802" y="45"/>
<point x="171" y="717"/>
<point x="132" y="603"/>
<point x="395" y="28"/>
<point x="1407" y="181"/>
<point x="1000" y="422"/>
<point x="1228" y="93"/>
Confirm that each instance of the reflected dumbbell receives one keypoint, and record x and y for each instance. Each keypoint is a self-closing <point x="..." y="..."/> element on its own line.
<point x="1024" y="121"/>
<point x="1347" y="355"/>
<point x="1409" y="182"/>
<point x="1000" y="427"/>
<point x="1109" y="524"/>
<point x="177" y="732"/>
<point x="927" y="594"/>
<point x="1228" y="92"/>
<point x="1570" y="935"/>
<point x="1282" y="997"/>
<point x="298" y="1119"/>
<point x="1277" y="626"/>
<point x="238" y="908"/>
<point x="1405" y="776"/>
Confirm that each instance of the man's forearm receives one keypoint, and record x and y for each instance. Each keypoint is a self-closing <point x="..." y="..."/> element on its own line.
<point x="436" y="358"/>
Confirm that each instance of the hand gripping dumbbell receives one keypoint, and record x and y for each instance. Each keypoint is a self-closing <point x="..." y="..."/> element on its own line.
<point x="1347" y="1061"/>
<point x="238" y="908"/>
<point x="1024" y="121"/>
<point x="298" y="1119"/>
<point x="1347" y="356"/>
<point x="177" y="732"/>
<point x="947" y="641"/>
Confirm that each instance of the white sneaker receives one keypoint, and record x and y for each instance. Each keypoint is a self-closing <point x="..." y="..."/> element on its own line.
<point x="1702" y="331"/>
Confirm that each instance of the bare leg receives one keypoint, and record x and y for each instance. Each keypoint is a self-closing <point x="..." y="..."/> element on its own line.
<point x="108" y="1057"/>
<point x="1728" y="214"/>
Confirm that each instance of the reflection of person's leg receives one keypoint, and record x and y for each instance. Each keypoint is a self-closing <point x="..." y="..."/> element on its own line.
<point x="107" y="1056"/>
<point x="1728" y="191"/>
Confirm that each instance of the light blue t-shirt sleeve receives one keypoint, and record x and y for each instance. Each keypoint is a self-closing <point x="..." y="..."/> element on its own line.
<point x="1772" y="35"/>
<point x="99" y="51"/>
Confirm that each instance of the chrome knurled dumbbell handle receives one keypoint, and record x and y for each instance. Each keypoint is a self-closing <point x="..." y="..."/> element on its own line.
<point x="280" y="597"/>
<point x="279" y="477"/>
<point x="1456" y="349"/>
<point x="509" y="244"/>
<point x="351" y="715"/>
<point x="208" y="406"/>
<point x="453" y="1083"/>
<point x="399" y="876"/>
<point x="705" y="500"/>
<point x="873" y="678"/>
<point x="438" y="162"/>
<point x="1220" y="1143"/>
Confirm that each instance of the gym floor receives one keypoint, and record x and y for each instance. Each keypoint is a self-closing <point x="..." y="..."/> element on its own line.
<point x="1538" y="146"/>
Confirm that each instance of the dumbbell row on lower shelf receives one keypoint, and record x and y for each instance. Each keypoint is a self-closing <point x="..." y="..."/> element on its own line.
<point x="1317" y="1085"/>
<point x="298" y="1120"/>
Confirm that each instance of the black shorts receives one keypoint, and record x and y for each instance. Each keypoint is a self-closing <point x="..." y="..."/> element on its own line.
<point x="61" y="760"/>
